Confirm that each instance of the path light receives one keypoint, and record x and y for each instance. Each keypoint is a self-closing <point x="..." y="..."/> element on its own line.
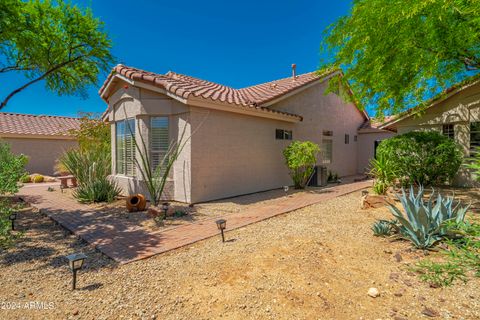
<point x="75" y="261"/>
<point x="12" y="218"/>
<point x="222" y="225"/>
<point x="165" y="206"/>
<point x="285" y="188"/>
<point x="364" y="193"/>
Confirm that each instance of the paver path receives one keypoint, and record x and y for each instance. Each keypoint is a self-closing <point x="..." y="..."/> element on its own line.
<point x="125" y="242"/>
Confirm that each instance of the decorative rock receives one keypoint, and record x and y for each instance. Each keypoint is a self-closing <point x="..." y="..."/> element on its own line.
<point x="430" y="312"/>
<point x="373" y="292"/>
<point x="398" y="257"/>
<point x="375" y="201"/>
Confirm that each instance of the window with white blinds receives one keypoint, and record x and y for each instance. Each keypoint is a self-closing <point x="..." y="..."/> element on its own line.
<point x="159" y="141"/>
<point x="125" y="147"/>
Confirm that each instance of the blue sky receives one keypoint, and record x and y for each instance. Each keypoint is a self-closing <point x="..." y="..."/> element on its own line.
<point x="232" y="43"/>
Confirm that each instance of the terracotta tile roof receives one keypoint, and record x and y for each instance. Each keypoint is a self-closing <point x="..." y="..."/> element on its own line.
<point x="186" y="86"/>
<point x="27" y="124"/>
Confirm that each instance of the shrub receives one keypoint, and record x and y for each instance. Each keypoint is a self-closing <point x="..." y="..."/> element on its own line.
<point x="6" y="235"/>
<point x="384" y="171"/>
<point x="422" y="158"/>
<point x="91" y="169"/>
<point x="26" y="179"/>
<point x="38" y="178"/>
<point x="440" y="274"/>
<point x="12" y="168"/>
<point x="301" y="157"/>
<point x="426" y="222"/>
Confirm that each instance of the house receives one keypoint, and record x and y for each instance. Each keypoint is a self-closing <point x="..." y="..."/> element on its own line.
<point x="42" y="138"/>
<point x="236" y="136"/>
<point x="455" y="113"/>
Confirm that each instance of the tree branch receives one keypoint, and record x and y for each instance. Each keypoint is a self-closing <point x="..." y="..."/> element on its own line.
<point x="43" y="76"/>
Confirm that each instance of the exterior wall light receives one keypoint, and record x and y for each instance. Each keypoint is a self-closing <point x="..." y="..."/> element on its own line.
<point x="75" y="262"/>
<point x="221" y="225"/>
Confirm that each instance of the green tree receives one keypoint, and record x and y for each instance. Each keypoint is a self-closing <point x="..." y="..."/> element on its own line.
<point x="93" y="134"/>
<point x="301" y="157"/>
<point x="396" y="54"/>
<point x="53" y="41"/>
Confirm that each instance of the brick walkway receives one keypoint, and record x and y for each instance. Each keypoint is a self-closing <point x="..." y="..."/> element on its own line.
<point x="125" y="242"/>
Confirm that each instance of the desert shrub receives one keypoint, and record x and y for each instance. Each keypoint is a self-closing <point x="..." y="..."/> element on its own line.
<point x="26" y="179"/>
<point x="7" y="237"/>
<point x="91" y="169"/>
<point x="12" y="168"/>
<point x="384" y="171"/>
<point x="301" y="157"/>
<point x="426" y="222"/>
<point x="38" y="178"/>
<point x="422" y="158"/>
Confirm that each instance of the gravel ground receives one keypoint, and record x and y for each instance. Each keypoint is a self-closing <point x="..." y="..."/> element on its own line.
<point x="314" y="263"/>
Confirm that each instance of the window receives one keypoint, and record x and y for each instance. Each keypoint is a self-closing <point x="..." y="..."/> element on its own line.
<point x="448" y="130"/>
<point x="327" y="151"/>
<point x="125" y="147"/>
<point x="355" y="138"/>
<point x="327" y="133"/>
<point x="159" y="141"/>
<point x="347" y="139"/>
<point x="474" y="137"/>
<point x="281" y="134"/>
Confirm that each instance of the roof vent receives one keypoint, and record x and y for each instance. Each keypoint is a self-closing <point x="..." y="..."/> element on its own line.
<point x="294" y="71"/>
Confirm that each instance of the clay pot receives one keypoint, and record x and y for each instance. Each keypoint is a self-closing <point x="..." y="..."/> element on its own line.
<point x="136" y="202"/>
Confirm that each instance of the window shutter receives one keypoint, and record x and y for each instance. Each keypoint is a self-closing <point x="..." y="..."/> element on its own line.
<point x="159" y="140"/>
<point x="120" y="147"/>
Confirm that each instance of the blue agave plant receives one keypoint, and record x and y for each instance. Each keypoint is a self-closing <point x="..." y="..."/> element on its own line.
<point x="425" y="221"/>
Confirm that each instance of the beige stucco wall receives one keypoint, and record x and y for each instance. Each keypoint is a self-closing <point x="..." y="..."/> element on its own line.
<point x="326" y="112"/>
<point x="459" y="109"/>
<point x="142" y="104"/>
<point x="366" y="147"/>
<point x="235" y="154"/>
<point x="42" y="153"/>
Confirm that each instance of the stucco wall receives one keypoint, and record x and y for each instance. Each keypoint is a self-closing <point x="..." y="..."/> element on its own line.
<point x="42" y="153"/>
<point x="366" y="147"/>
<point x="235" y="154"/>
<point x="326" y="112"/>
<point x="142" y="104"/>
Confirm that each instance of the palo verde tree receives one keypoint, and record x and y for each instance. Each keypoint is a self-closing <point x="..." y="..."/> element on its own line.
<point x="396" y="54"/>
<point x="54" y="41"/>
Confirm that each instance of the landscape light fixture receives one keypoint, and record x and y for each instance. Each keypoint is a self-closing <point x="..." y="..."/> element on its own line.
<point x="285" y="188"/>
<point x="221" y="225"/>
<point x="165" y="206"/>
<point x="75" y="261"/>
<point x="12" y="219"/>
<point x="364" y="192"/>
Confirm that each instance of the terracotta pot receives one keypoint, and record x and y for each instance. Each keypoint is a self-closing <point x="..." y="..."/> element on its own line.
<point x="136" y="202"/>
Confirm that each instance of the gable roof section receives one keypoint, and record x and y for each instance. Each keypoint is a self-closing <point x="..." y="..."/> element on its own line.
<point x="15" y="124"/>
<point x="444" y="95"/>
<point x="185" y="87"/>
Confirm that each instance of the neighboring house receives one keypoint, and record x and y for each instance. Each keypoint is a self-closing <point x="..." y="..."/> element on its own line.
<point x="236" y="135"/>
<point x="455" y="113"/>
<point x="42" y="138"/>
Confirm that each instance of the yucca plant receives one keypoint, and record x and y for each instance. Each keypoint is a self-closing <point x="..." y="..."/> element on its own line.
<point x="91" y="169"/>
<point x="425" y="222"/>
<point x="384" y="172"/>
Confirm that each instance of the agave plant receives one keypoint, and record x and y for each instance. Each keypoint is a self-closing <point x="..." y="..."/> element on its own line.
<point x="383" y="228"/>
<point x="425" y="222"/>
